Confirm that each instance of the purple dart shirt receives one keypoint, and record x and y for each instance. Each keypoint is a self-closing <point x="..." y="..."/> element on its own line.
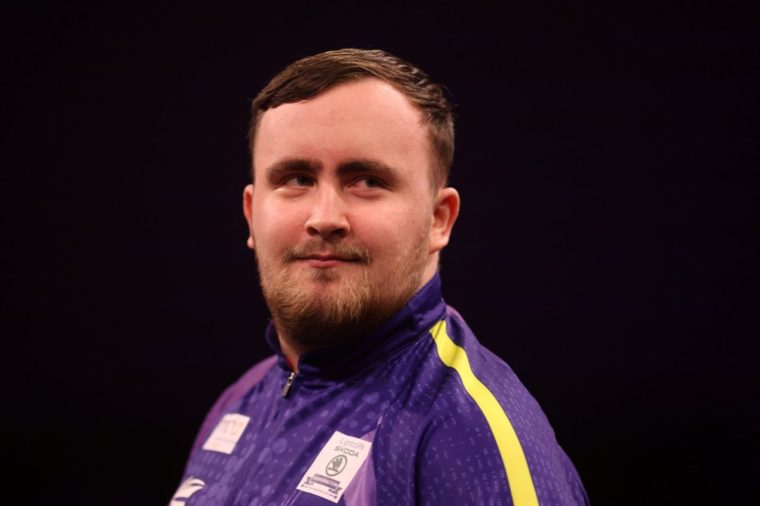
<point x="418" y="412"/>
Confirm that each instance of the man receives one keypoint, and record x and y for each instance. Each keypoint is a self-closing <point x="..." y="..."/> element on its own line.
<point x="379" y="394"/>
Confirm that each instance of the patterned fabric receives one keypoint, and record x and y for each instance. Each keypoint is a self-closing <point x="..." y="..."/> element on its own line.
<point x="447" y="422"/>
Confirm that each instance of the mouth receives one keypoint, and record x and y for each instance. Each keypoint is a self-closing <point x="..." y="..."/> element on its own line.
<point x="324" y="256"/>
<point x="325" y="261"/>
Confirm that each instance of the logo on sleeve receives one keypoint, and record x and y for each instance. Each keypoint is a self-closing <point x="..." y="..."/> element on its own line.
<point x="186" y="490"/>
<point x="227" y="433"/>
<point x="335" y="466"/>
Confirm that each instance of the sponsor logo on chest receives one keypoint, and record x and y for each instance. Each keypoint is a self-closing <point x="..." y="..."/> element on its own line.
<point x="335" y="467"/>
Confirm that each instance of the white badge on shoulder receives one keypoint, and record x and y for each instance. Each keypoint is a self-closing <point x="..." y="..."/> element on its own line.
<point x="335" y="466"/>
<point x="226" y="433"/>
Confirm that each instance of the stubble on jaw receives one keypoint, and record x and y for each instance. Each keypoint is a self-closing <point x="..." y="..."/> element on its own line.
<point x="344" y="305"/>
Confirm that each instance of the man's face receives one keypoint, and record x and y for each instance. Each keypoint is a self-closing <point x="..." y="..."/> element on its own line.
<point x="343" y="217"/>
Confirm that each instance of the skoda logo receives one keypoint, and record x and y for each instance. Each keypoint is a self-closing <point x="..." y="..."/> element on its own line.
<point x="336" y="465"/>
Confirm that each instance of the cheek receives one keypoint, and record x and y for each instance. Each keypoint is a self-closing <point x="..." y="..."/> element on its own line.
<point x="270" y="228"/>
<point x="388" y="235"/>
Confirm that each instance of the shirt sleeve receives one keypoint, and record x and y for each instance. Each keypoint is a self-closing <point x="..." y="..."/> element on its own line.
<point x="458" y="462"/>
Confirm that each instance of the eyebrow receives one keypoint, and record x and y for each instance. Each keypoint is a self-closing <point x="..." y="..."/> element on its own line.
<point x="285" y="167"/>
<point x="389" y="174"/>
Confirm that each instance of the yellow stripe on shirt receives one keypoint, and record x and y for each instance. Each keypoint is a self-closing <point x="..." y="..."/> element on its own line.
<point x="512" y="455"/>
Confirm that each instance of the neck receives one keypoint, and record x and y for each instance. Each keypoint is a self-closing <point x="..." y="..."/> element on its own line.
<point x="292" y="347"/>
<point x="291" y="352"/>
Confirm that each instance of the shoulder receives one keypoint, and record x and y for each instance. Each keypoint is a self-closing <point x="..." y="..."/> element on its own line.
<point x="234" y="392"/>
<point x="487" y="430"/>
<point x="479" y="380"/>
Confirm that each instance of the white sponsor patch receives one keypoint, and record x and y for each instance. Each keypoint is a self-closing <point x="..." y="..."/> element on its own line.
<point x="335" y="466"/>
<point x="187" y="489"/>
<point x="226" y="433"/>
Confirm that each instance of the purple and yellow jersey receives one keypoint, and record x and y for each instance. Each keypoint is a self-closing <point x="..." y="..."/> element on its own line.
<point x="418" y="412"/>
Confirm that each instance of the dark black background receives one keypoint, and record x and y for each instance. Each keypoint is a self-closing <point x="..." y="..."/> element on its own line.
<point x="605" y="248"/>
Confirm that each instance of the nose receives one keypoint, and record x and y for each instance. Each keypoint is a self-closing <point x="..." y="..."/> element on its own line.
<point x="328" y="216"/>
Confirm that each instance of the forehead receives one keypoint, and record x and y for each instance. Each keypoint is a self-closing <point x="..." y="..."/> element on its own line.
<point x="361" y="119"/>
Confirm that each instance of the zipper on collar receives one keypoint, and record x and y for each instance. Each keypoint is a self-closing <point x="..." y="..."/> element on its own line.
<point x="288" y="383"/>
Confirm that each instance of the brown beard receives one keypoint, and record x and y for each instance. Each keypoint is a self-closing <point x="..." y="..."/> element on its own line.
<point x="334" y="317"/>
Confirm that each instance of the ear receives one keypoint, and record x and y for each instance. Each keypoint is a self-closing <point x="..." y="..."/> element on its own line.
<point x="445" y="213"/>
<point x="248" y="212"/>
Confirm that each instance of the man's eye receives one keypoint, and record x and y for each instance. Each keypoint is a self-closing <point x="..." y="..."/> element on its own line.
<point x="370" y="182"/>
<point x="299" y="180"/>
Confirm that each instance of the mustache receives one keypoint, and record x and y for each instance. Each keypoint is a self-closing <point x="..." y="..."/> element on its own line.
<point x="346" y="252"/>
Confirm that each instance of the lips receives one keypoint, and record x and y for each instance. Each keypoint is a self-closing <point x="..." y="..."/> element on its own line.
<point x="320" y="255"/>
<point x="325" y="261"/>
<point x="326" y="258"/>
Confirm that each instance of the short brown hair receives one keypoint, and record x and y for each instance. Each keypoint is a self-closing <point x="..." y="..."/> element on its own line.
<point x="310" y="76"/>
